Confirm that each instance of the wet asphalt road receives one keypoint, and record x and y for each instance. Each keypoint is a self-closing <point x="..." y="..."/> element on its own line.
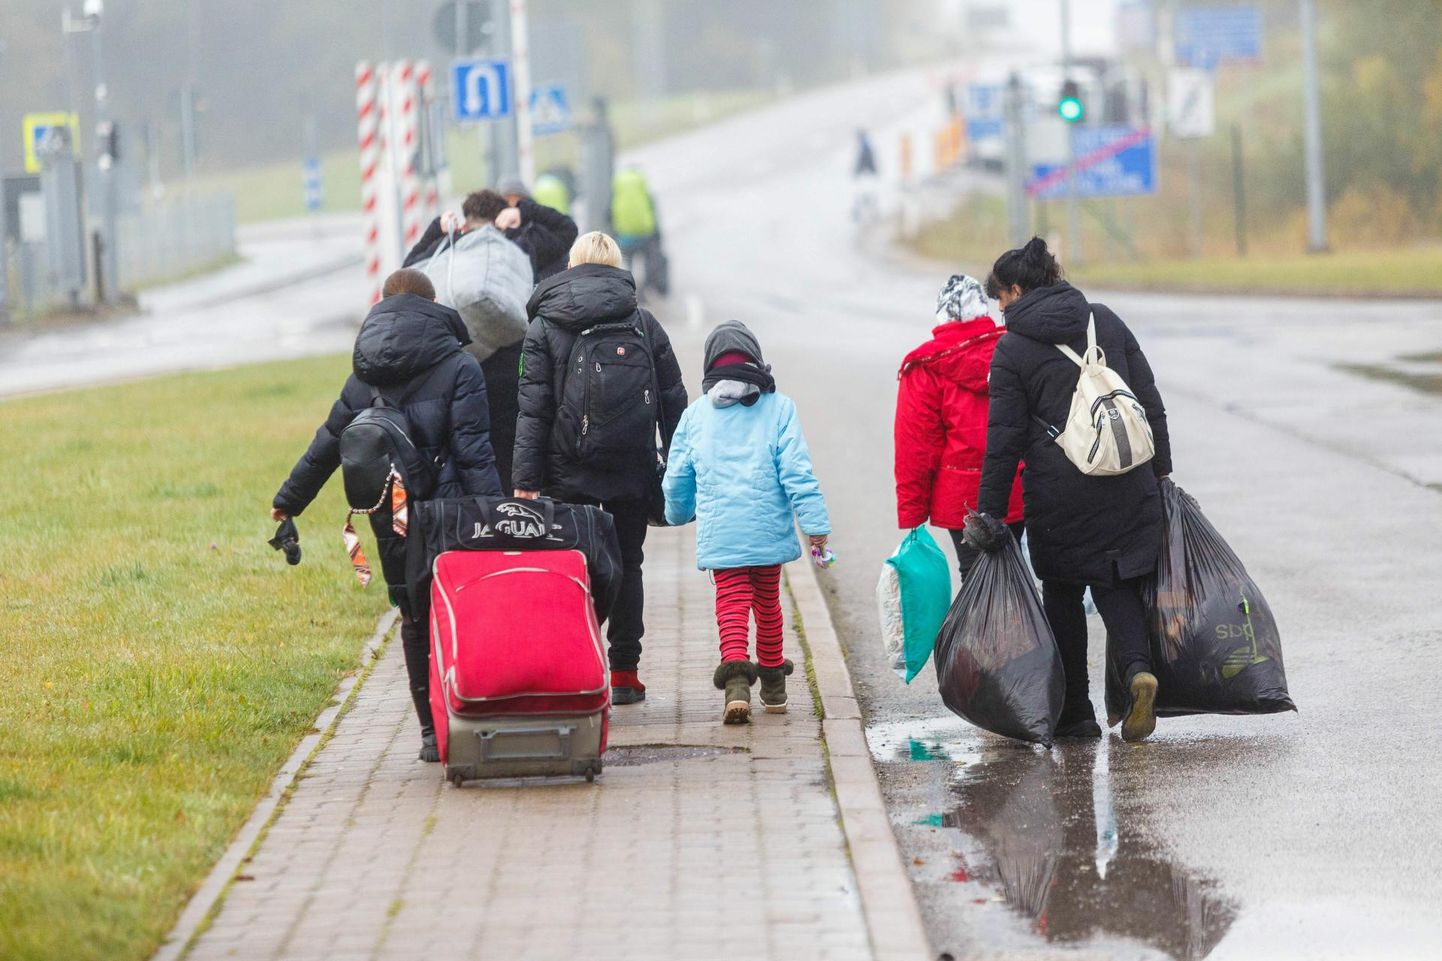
<point x="1311" y="835"/>
<point x="1293" y="836"/>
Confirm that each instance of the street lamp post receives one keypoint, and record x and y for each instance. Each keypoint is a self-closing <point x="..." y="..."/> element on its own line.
<point x="1073" y="215"/>
<point x="107" y="259"/>
<point x="4" y="230"/>
<point x="1312" y="134"/>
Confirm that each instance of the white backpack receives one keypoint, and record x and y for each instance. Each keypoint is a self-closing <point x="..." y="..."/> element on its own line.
<point x="1107" y="431"/>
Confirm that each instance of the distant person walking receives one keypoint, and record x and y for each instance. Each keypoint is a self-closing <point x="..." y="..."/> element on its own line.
<point x="865" y="165"/>
<point x="739" y="465"/>
<point x="1085" y="531"/>
<point x="598" y="382"/>
<point x="864" y="175"/>
<point x="638" y="229"/>
<point x="408" y="355"/>
<point x="941" y="414"/>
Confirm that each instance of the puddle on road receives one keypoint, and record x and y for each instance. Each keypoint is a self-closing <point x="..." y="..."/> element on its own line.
<point x="633" y="755"/>
<point x="924" y="739"/>
<point x="1046" y="835"/>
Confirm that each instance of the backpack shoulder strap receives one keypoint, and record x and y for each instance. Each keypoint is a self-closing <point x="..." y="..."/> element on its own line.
<point x="1091" y="344"/>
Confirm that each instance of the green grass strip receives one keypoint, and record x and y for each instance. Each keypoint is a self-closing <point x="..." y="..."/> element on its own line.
<point x="160" y="660"/>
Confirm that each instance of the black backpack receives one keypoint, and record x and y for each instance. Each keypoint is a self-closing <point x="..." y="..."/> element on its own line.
<point x="378" y="441"/>
<point x="609" y="403"/>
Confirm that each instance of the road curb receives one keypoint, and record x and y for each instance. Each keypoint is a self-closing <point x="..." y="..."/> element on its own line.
<point x="887" y="899"/>
<point x="198" y="909"/>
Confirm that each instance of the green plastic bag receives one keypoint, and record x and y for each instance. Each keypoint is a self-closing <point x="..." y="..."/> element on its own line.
<point x="913" y="596"/>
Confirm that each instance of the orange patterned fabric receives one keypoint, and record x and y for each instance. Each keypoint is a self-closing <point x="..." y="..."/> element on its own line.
<point x="400" y="515"/>
<point x="395" y="496"/>
<point x="357" y="555"/>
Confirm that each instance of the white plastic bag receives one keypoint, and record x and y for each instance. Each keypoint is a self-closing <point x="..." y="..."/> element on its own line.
<point x="893" y="635"/>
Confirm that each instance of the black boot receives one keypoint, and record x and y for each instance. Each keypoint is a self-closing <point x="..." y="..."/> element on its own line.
<point x="1078" y="721"/>
<point x="421" y="696"/>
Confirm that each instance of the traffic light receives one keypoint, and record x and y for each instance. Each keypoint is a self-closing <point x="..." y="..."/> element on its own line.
<point x="1069" y="106"/>
<point x="107" y="138"/>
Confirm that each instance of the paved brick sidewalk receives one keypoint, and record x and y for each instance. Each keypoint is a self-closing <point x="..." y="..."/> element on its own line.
<point x="692" y="824"/>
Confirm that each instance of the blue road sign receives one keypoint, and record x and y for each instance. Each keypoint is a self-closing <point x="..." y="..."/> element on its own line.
<point x="314" y="194"/>
<point x="1112" y="161"/>
<point x="1208" y="36"/>
<point x="985" y="112"/>
<point x="481" y="89"/>
<point x="550" y="110"/>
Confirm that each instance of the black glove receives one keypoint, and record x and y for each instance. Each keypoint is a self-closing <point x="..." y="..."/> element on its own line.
<point x="984" y="533"/>
<point x="287" y="539"/>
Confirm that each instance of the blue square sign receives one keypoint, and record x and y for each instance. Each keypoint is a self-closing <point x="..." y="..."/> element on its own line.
<point x="481" y="89"/>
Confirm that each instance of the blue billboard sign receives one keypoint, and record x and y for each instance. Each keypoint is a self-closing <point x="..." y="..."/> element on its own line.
<point x="1111" y="161"/>
<point x="1208" y="36"/>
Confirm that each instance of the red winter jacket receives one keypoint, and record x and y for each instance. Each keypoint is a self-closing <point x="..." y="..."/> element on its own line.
<point x="941" y="409"/>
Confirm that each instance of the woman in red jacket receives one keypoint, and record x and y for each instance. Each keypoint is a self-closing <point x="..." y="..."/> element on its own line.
<point x="941" y="410"/>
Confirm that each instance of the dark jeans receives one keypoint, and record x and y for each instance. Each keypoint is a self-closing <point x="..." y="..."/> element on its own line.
<point x="626" y="624"/>
<point x="1120" y="605"/>
<point x="967" y="556"/>
<point x="502" y="370"/>
<point x="416" y="643"/>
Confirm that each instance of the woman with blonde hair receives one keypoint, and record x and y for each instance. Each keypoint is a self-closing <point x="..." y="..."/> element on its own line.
<point x="599" y="383"/>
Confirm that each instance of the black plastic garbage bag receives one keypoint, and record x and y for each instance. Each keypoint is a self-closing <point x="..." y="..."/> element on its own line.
<point x="996" y="660"/>
<point x="1214" y="644"/>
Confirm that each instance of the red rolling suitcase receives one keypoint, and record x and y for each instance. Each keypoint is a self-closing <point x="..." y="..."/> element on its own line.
<point x="519" y="685"/>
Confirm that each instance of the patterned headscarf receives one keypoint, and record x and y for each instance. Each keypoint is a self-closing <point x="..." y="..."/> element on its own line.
<point x="963" y="298"/>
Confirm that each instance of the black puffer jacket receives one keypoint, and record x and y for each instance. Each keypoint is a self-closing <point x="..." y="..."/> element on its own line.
<point x="546" y="235"/>
<point x="410" y="348"/>
<point x="560" y="309"/>
<point x="1081" y="529"/>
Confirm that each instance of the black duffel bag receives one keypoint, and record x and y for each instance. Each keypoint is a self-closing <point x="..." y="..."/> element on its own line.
<point x="508" y="523"/>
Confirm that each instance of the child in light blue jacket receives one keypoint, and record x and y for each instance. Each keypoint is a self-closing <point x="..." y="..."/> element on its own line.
<point x="739" y="465"/>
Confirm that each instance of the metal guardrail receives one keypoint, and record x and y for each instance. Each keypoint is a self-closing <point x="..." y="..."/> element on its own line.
<point x="160" y="241"/>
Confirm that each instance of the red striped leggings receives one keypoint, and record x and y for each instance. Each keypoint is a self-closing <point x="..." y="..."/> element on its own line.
<point x="740" y="593"/>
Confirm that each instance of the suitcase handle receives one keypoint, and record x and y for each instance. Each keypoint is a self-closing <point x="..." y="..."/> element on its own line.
<point x="563" y="734"/>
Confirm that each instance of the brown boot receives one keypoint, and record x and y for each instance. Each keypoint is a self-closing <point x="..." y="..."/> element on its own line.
<point x="736" y="678"/>
<point x="773" y="686"/>
<point x="1141" y="719"/>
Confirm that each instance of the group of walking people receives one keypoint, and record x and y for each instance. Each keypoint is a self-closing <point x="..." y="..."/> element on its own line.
<point x="514" y="425"/>
<point x="979" y="409"/>
<point x="976" y="421"/>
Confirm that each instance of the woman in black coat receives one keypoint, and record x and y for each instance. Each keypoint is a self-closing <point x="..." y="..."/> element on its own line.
<point x="551" y="456"/>
<point x="1085" y="531"/>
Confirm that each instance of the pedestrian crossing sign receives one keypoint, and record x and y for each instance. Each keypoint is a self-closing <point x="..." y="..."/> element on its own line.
<point x="550" y="110"/>
<point x="38" y="126"/>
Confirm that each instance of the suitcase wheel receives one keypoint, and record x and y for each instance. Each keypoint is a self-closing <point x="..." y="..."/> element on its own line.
<point x="458" y="779"/>
<point x="590" y="776"/>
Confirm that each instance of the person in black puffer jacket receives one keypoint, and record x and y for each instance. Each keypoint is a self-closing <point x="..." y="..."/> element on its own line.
<point x="1084" y="531"/>
<point x="595" y="291"/>
<point x="546" y="236"/>
<point x="410" y="348"/>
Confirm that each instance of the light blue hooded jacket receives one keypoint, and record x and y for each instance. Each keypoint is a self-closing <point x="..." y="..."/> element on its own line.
<point x="745" y="475"/>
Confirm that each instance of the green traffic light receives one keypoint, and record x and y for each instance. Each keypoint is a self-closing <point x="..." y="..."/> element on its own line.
<point x="1070" y="109"/>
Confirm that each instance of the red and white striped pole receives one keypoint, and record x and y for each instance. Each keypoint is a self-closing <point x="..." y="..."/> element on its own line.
<point x="406" y="102"/>
<point x="431" y="195"/>
<point x="368" y="132"/>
